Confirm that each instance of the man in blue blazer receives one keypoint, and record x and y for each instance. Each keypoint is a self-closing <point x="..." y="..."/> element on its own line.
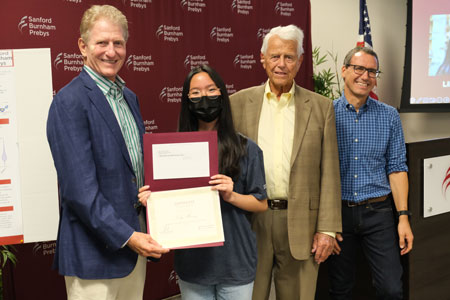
<point x="95" y="130"/>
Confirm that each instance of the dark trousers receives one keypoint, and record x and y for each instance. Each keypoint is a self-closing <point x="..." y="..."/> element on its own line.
<point x="374" y="228"/>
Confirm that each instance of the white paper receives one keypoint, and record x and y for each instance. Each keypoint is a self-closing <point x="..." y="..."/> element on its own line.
<point x="10" y="198"/>
<point x="185" y="217"/>
<point x="180" y="160"/>
<point x="25" y="158"/>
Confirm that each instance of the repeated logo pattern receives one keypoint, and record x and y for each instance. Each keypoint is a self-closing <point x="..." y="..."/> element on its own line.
<point x="167" y="39"/>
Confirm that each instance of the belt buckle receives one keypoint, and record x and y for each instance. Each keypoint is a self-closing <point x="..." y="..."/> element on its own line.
<point x="349" y="204"/>
<point x="274" y="204"/>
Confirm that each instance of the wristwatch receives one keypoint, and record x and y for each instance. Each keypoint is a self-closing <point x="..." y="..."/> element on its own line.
<point x="404" y="212"/>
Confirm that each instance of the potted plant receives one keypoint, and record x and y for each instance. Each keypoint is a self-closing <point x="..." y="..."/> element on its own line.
<point x="6" y="255"/>
<point x="326" y="82"/>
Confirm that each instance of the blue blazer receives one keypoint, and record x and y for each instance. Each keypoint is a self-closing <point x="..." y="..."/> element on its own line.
<point x="97" y="184"/>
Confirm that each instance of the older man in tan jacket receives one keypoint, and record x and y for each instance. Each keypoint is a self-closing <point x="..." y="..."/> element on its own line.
<point x="296" y="130"/>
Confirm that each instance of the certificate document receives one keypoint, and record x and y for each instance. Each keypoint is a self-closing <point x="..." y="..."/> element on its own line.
<point x="183" y="211"/>
<point x="180" y="160"/>
<point x="185" y="218"/>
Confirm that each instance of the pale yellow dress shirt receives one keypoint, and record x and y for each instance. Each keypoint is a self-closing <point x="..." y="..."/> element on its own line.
<point x="275" y="138"/>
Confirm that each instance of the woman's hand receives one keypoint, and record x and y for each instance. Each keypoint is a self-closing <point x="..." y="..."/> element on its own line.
<point x="144" y="194"/>
<point x="224" y="185"/>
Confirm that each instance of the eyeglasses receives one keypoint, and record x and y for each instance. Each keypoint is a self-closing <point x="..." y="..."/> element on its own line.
<point x="360" y="70"/>
<point x="196" y="95"/>
<point x="198" y="99"/>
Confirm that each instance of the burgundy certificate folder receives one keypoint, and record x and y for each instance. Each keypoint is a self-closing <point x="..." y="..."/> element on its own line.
<point x="179" y="137"/>
<point x="187" y="223"/>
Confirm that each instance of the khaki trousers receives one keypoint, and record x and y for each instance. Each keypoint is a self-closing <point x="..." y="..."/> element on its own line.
<point x="293" y="279"/>
<point x="130" y="287"/>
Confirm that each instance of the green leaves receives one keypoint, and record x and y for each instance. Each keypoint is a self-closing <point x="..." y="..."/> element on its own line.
<point x="6" y="255"/>
<point x="326" y="82"/>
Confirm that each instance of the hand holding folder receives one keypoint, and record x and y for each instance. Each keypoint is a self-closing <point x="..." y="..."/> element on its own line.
<point x="183" y="211"/>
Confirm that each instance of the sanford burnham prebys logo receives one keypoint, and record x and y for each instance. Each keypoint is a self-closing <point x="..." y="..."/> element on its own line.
<point x="221" y="34"/>
<point x="44" y="248"/>
<point x="139" y="63"/>
<point x="446" y="183"/>
<point x="261" y="33"/>
<point x="69" y="62"/>
<point x="244" y="61"/>
<point x="171" y="94"/>
<point x="242" y="7"/>
<point x="284" y="9"/>
<point x="141" y="4"/>
<point x="150" y="126"/>
<point x="191" y="61"/>
<point x="195" y="6"/>
<point x="169" y="33"/>
<point x="36" y="26"/>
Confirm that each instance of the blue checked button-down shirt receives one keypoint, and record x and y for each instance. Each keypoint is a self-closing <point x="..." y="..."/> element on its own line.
<point x="371" y="146"/>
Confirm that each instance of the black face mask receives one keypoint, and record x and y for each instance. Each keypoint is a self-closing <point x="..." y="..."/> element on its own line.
<point x="206" y="109"/>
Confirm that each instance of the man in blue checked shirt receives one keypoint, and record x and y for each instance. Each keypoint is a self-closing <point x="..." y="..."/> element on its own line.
<point x="373" y="171"/>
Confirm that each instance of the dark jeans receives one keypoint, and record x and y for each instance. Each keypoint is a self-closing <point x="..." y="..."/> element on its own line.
<point x="373" y="227"/>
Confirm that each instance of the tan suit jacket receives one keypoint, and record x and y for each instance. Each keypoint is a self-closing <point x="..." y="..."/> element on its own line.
<point x="314" y="203"/>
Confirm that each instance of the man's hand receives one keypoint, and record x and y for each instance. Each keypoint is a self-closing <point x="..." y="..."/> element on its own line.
<point x="336" y="247"/>
<point x="144" y="245"/>
<point x="322" y="246"/>
<point x="405" y="235"/>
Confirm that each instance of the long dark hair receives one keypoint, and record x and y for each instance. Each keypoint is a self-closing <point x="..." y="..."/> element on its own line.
<point x="232" y="147"/>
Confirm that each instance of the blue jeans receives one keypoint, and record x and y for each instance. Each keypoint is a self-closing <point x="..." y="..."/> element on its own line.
<point x="374" y="228"/>
<point x="192" y="291"/>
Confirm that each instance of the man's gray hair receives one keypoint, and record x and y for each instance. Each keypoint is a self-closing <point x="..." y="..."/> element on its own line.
<point x="367" y="50"/>
<point x="289" y="32"/>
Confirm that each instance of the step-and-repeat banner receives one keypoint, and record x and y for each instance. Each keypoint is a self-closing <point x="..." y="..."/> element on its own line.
<point x="167" y="39"/>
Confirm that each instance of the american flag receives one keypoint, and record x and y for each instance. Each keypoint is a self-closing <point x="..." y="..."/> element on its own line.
<point x="365" y="33"/>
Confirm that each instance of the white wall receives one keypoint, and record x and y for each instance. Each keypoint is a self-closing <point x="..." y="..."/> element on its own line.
<point x="335" y="28"/>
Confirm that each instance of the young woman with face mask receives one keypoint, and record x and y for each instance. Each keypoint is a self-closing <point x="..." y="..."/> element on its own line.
<point x="225" y="272"/>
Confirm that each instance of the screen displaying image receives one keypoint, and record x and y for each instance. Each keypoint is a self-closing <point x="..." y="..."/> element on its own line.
<point x="430" y="53"/>
<point x="439" y="45"/>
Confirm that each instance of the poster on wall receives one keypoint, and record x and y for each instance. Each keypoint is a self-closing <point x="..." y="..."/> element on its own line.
<point x="28" y="186"/>
<point x="11" y="228"/>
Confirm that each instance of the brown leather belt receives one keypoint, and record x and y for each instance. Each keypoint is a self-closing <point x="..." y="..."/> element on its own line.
<point x="277" y="204"/>
<point x="371" y="200"/>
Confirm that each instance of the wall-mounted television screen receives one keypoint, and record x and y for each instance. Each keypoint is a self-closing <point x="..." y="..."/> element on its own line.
<point x="426" y="82"/>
